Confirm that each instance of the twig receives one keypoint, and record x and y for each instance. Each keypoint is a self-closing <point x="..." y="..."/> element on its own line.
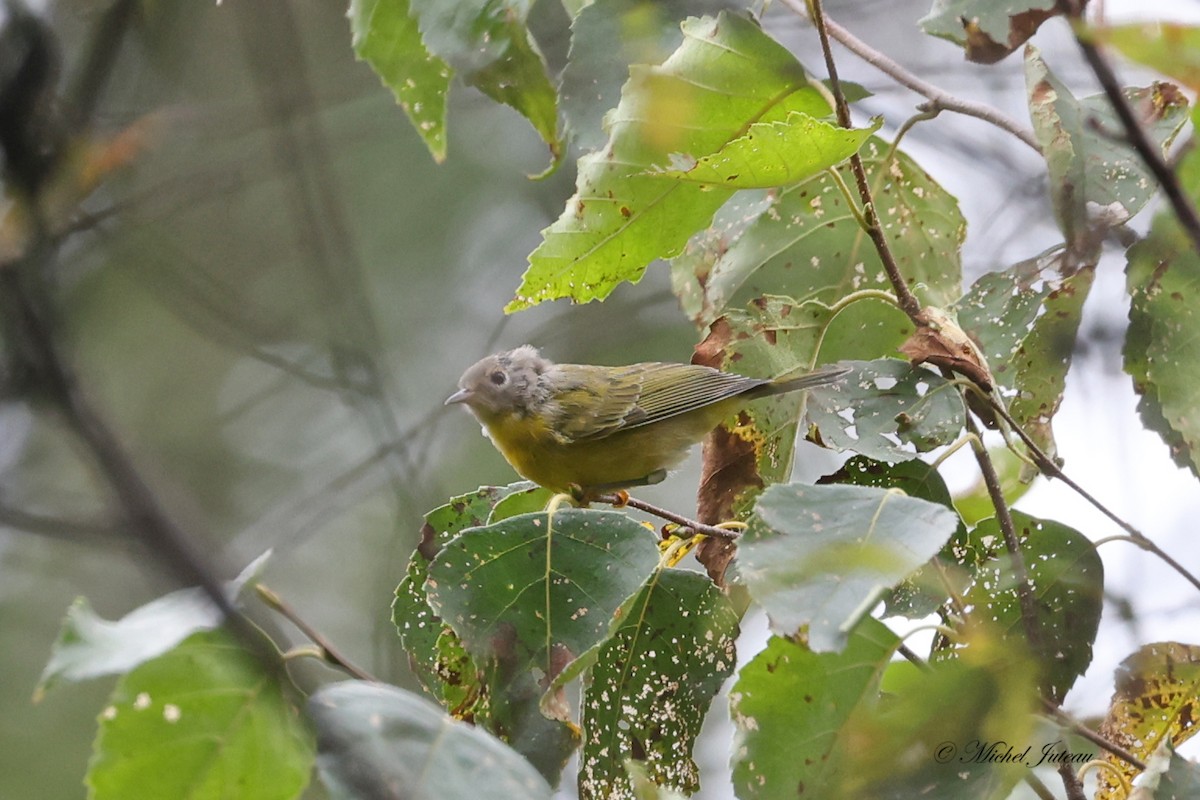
<point x="59" y="527"/>
<point x="904" y="297"/>
<point x="939" y="99"/>
<point x="1183" y="207"/>
<point x="618" y="501"/>
<point x="1052" y="470"/>
<point x="1081" y="730"/>
<point x="328" y="652"/>
<point x="1071" y="782"/>
<point x="1004" y="517"/>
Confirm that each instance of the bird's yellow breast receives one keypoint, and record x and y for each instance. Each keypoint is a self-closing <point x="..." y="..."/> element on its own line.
<point x="625" y="458"/>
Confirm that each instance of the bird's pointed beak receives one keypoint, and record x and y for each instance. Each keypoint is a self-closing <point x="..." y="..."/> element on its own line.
<point x="461" y="396"/>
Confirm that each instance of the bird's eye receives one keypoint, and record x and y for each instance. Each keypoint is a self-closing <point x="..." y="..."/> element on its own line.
<point x="498" y="377"/>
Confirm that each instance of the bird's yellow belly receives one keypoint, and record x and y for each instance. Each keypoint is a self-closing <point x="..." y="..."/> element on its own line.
<point x="625" y="458"/>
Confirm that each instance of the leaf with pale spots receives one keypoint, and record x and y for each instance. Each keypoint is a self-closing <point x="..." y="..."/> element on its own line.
<point x="1025" y="320"/>
<point x="1097" y="180"/>
<point x="823" y="556"/>
<point x="386" y="35"/>
<point x="651" y="682"/>
<point x="422" y="634"/>
<point x="906" y="745"/>
<point x="1066" y="578"/>
<point x="1162" y="345"/>
<point x="196" y="722"/>
<point x="788" y="689"/>
<point x="925" y="590"/>
<point x="536" y="583"/>
<point x="775" y="154"/>
<point x="726" y="75"/>
<point x="1155" y="702"/>
<point x="376" y="741"/>
<point x="888" y="410"/>
<point x="808" y="245"/>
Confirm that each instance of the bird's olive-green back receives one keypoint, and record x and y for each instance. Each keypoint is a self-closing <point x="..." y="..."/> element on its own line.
<point x="591" y="402"/>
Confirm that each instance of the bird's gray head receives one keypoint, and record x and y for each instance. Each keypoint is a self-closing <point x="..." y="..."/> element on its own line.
<point x="502" y="383"/>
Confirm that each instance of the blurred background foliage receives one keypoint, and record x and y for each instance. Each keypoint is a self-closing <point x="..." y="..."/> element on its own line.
<point x="270" y="303"/>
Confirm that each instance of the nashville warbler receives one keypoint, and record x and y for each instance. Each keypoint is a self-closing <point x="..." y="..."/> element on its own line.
<point x="587" y="429"/>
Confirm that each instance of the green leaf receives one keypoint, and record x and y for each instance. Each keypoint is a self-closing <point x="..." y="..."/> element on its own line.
<point x="606" y="37"/>
<point x="1168" y="47"/>
<point x="377" y="741"/>
<point x="652" y="682"/>
<point x="1097" y="181"/>
<point x="905" y="746"/>
<point x="542" y="585"/>
<point x="726" y="75"/>
<point x="774" y="154"/>
<point x="1181" y="781"/>
<point x="202" y="721"/>
<point x="420" y="629"/>
<point x="385" y="35"/>
<point x="822" y="556"/>
<point x="888" y="410"/>
<point x="89" y="646"/>
<point x="1155" y="702"/>
<point x="1025" y="320"/>
<point x="925" y="590"/>
<point x="491" y="47"/>
<point x="988" y="30"/>
<point x="527" y="595"/>
<point x="807" y="245"/>
<point x="790" y="706"/>
<point x="1162" y="345"/>
<point x="1067" y="580"/>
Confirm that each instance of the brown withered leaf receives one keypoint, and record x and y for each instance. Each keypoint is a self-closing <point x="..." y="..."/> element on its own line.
<point x="941" y="342"/>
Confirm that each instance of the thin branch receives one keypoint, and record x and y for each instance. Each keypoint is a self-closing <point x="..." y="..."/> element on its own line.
<point x="1052" y="470"/>
<point x="621" y="500"/>
<point x="1183" y="207"/>
<point x="328" y="652"/>
<point x="1004" y="517"/>
<point x="58" y="527"/>
<point x="939" y="99"/>
<point x="904" y="297"/>
<point x="1081" y="730"/>
<point x="1070" y="781"/>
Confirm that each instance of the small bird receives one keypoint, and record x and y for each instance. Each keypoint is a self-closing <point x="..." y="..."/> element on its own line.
<point x="587" y="430"/>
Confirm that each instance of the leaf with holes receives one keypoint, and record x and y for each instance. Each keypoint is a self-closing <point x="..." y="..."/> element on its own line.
<point x="888" y="410"/>
<point x="1097" y="180"/>
<point x="788" y="688"/>
<point x="821" y="556"/>
<point x="376" y="741"/>
<point x="1025" y="320"/>
<point x="925" y="590"/>
<point x="726" y="75"/>
<point x="1066" y="578"/>
<point x="807" y="244"/>
<point x="197" y="721"/>
<point x="386" y="36"/>
<point x="651" y="683"/>
<point x="1156" y="701"/>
